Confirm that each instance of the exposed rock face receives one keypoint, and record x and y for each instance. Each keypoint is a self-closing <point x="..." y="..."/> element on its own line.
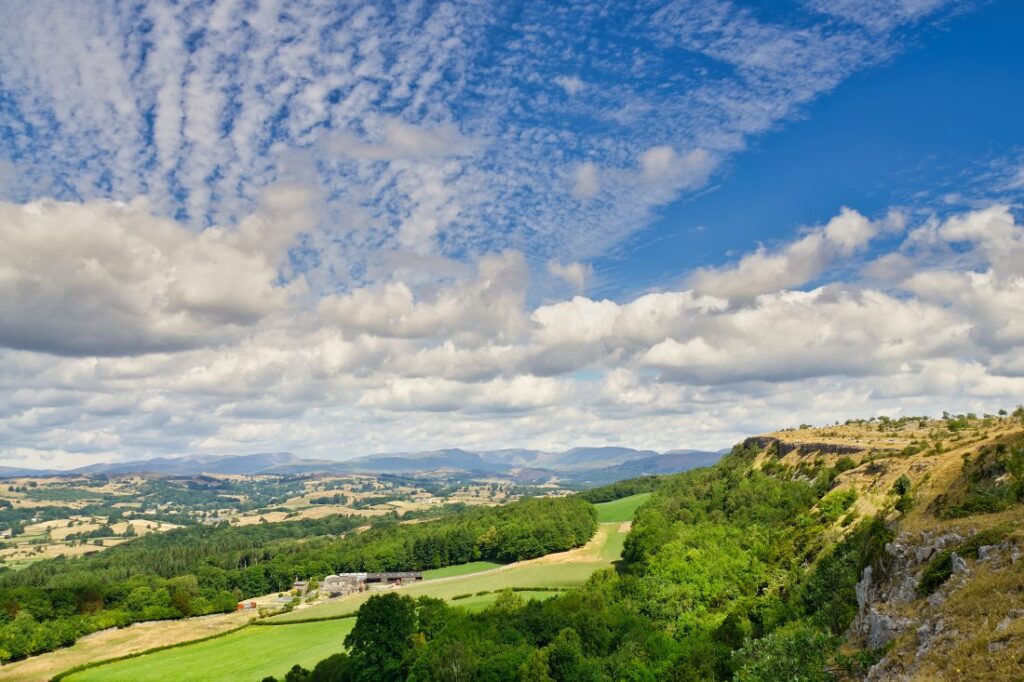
<point x="784" y="447"/>
<point x="884" y="616"/>
<point x="876" y="624"/>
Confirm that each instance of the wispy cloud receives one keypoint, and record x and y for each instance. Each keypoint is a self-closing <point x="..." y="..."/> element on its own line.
<point x="441" y="129"/>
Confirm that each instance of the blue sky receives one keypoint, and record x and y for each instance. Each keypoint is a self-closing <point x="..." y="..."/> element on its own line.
<point x="909" y="131"/>
<point x="231" y="226"/>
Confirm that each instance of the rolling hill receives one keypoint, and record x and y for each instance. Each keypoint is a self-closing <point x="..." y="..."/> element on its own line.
<point x="582" y="465"/>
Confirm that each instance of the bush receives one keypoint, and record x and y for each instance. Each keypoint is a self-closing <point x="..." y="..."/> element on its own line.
<point x="796" y="652"/>
<point x="936" y="573"/>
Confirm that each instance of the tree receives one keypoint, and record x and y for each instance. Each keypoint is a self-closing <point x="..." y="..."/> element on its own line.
<point x="297" y="674"/>
<point x="381" y="640"/>
<point x="566" y="661"/>
<point x="535" y="668"/>
<point x="336" y="668"/>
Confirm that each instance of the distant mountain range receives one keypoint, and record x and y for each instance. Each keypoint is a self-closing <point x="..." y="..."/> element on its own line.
<point x="592" y="465"/>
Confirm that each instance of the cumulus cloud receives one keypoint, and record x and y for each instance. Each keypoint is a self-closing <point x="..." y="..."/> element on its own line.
<point x="106" y="278"/>
<point x="231" y="360"/>
<point x="793" y="264"/>
<point x="488" y="305"/>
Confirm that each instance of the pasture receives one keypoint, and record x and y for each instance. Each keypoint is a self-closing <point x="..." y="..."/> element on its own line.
<point x="459" y="569"/>
<point x="620" y="510"/>
<point x="248" y="654"/>
<point x="563" y="569"/>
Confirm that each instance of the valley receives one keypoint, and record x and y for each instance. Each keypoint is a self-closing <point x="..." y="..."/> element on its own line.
<point x="277" y="639"/>
<point x="877" y="548"/>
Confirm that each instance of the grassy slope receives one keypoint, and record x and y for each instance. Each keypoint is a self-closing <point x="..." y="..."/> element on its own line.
<point x="120" y="642"/>
<point x="565" y="569"/>
<point x="460" y="569"/>
<point x="250" y="654"/>
<point x="990" y="594"/>
<point x="620" y="510"/>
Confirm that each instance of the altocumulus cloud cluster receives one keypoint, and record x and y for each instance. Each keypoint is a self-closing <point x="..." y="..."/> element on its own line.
<point x="235" y="226"/>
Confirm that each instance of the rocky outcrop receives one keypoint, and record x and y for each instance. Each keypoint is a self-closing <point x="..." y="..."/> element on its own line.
<point x="783" y="447"/>
<point x="880" y="596"/>
<point x="884" y="614"/>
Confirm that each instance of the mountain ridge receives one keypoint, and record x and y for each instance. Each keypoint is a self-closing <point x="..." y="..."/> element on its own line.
<point x="602" y="461"/>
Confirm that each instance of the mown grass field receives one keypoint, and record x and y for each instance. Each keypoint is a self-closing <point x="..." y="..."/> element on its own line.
<point x="460" y="569"/>
<point x="620" y="510"/>
<point x="537" y="573"/>
<point x="482" y="601"/>
<point x="249" y="654"/>
<point x="260" y="650"/>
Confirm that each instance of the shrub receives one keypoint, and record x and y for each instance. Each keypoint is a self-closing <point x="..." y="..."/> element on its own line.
<point x="936" y="573"/>
<point x="904" y="503"/>
<point x="795" y="652"/>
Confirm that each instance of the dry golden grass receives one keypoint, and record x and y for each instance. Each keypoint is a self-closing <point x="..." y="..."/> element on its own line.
<point x="113" y="643"/>
<point x="982" y="617"/>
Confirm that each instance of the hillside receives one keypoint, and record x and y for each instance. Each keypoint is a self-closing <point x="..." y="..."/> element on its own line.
<point x="879" y="550"/>
<point x="949" y="600"/>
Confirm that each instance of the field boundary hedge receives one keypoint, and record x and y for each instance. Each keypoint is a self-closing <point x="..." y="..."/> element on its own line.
<point x="318" y="619"/>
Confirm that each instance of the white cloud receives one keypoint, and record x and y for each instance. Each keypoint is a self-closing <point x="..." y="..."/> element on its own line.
<point x="336" y="171"/>
<point x="576" y="274"/>
<point x="586" y="180"/>
<point x="488" y="306"/>
<point x="110" y="279"/>
<point x="399" y="140"/>
<point x="794" y="264"/>
<point x="695" y="367"/>
<point x="571" y="84"/>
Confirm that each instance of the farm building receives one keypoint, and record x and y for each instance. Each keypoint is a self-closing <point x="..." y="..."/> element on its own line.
<point x="343" y="583"/>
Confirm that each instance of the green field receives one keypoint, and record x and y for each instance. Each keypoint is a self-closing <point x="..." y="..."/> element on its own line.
<point x="571" y="574"/>
<point x="459" y="569"/>
<point x="600" y="553"/>
<point x="482" y="601"/>
<point x="248" y="654"/>
<point x="260" y="650"/>
<point x="620" y="510"/>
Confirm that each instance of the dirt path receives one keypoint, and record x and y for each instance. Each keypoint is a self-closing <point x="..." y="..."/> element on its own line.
<point x="113" y="643"/>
